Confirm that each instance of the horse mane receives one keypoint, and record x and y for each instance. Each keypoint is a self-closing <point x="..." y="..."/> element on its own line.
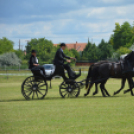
<point x="101" y="62"/>
<point x="128" y="57"/>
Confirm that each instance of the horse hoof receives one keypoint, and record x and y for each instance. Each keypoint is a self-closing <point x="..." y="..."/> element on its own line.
<point x="114" y="93"/>
<point x="125" y="92"/>
<point x="104" y="96"/>
<point x="94" y="93"/>
<point x="85" y="95"/>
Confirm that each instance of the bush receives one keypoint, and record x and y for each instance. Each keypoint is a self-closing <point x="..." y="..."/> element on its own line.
<point x="9" y="59"/>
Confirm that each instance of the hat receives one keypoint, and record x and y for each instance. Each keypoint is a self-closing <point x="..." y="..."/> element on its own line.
<point x="62" y="44"/>
<point x="33" y="51"/>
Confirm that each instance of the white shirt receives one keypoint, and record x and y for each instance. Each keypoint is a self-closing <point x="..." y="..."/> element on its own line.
<point x="36" y="60"/>
<point x="61" y="49"/>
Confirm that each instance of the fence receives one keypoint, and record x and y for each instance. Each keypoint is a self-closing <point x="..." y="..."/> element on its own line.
<point x="14" y="67"/>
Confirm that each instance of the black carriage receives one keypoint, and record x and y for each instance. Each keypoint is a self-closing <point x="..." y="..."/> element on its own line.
<point x="36" y="86"/>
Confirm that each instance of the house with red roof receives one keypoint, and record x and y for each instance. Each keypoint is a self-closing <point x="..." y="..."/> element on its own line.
<point x="77" y="46"/>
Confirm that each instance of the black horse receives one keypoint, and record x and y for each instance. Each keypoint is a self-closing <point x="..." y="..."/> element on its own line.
<point x="101" y="72"/>
<point x="123" y="81"/>
<point x="123" y="85"/>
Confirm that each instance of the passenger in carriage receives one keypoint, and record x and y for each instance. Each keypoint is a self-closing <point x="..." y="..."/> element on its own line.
<point x="33" y="63"/>
<point x="60" y="59"/>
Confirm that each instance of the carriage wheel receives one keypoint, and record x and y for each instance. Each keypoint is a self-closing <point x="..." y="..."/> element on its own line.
<point x="81" y="85"/>
<point x="69" y="89"/>
<point x="34" y="88"/>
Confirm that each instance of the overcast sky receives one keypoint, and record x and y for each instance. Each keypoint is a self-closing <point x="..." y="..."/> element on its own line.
<point x="62" y="20"/>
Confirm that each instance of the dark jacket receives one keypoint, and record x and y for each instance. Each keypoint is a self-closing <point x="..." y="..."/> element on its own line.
<point x="60" y="57"/>
<point x="33" y="60"/>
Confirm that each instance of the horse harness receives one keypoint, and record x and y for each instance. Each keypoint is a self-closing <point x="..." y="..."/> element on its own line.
<point x="122" y="66"/>
<point x="116" y="67"/>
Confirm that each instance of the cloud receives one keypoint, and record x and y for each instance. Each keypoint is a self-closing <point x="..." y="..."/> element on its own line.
<point x="66" y="21"/>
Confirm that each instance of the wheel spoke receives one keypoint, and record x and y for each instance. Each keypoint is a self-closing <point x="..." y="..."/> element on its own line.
<point x="63" y="91"/>
<point x="28" y="85"/>
<point x="29" y="93"/>
<point x="37" y="95"/>
<point x="41" y="85"/>
<point x="63" y="88"/>
<point x="74" y="93"/>
<point x="68" y="95"/>
<point x="41" y="89"/>
<point x="75" y="89"/>
<point x="40" y="92"/>
<point x="33" y="96"/>
<point x="28" y="90"/>
<point x="29" y="81"/>
<point x="65" y="94"/>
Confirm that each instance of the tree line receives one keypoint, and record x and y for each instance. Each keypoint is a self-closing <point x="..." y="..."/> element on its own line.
<point x="120" y="42"/>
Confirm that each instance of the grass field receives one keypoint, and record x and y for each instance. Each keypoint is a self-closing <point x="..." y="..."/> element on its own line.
<point x="54" y="115"/>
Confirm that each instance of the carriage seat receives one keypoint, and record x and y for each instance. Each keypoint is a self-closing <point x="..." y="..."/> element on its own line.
<point x="37" y="72"/>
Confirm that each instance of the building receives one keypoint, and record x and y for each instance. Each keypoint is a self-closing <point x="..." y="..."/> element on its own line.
<point x="25" y="53"/>
<point x="77" y="46"/>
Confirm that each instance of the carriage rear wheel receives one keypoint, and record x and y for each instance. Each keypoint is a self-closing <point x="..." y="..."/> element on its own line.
<point x="34" y="88"/>
<point x="69" y="89"/>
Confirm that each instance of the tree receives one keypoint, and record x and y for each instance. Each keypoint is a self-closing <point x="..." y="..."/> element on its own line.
<point x="123" y="50"/>
<point x="105" y="50"/>
<point x="20" y="54"/>
<point x="9" y="59"/>
<point x="45" y="50"/>
<point x="90" y="52"/>
<point x="6" y="45"/>
<point x="75" y="53"/>
<point x="123" y="36"/>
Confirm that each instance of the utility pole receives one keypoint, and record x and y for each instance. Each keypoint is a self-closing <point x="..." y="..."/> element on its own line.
<point x="19" y="44"/>
<point x="27" y="41"/>
<point x="88" y="40"/>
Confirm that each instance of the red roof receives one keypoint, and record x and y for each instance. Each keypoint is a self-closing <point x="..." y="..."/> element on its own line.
<point x="76" y="46"/>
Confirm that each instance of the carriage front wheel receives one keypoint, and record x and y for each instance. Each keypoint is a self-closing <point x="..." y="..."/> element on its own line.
<point x="69" y="89"/>
<point x="34" y="88"/>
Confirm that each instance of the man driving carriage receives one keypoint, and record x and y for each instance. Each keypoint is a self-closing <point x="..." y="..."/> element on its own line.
<point x="60" y="59"/>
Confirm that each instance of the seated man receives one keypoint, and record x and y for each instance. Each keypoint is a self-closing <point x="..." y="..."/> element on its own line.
<point x="60" y="59"/>
<point x="33" y="63"/>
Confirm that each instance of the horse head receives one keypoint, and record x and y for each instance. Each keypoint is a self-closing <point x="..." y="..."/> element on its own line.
<point x="130" y="58"/>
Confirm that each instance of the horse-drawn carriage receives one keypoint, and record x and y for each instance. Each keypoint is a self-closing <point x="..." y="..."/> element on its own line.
<point x="99" y="72"/>
<point x="36" y="86"/>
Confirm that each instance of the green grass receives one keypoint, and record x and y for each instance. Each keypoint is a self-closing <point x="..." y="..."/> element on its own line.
<point x="54" y="115"/>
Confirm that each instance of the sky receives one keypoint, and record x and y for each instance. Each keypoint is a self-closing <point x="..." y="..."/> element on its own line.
<point x="62" y="20"/>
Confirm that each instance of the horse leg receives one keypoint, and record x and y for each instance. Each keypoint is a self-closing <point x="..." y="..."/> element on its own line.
<point x="102" y="91"/>
<point x="122" y="86"/>
<point x="103" y="88"/>
<point x="130" y="81"/>
<point x="96" y="89"/>
<point x="90" y="86"/>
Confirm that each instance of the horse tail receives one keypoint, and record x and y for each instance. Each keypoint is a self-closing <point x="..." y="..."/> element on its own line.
<point x="88" y="76"/>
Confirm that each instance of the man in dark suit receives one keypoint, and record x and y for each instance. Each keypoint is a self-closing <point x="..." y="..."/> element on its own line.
<point x="33" y="63"/>
<point x="60" y="59"/>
